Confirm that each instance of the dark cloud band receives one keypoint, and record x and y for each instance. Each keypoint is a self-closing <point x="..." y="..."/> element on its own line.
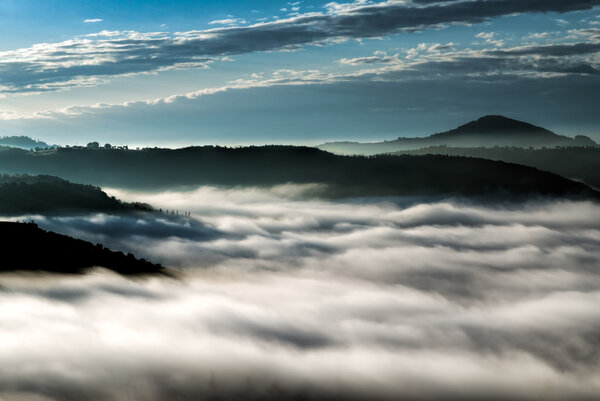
<point x="62" y="65"/>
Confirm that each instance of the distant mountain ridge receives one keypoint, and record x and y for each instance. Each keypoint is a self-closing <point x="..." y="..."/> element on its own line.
<point x="342" y="176"/>
<point x="488" y="131"/>
<point x="23" y="142"/>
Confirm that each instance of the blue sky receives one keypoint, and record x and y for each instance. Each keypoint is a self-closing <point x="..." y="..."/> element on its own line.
<point x="241" y="72"/>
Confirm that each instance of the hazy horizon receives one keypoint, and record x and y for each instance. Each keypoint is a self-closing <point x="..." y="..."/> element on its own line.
<point x="175" y="144"/>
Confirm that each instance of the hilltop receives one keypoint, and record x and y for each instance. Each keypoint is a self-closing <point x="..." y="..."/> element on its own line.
<point x="488" y="131"/>
<point x="44" y="194"/>
<point x="23" y="142"/>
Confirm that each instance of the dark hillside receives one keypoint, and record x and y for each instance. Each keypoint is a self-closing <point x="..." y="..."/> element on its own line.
<point x="24" y="194"/>
<point x="578" y="163"/>
<point x="157" y="169"/>
<point x="62" y="254"/>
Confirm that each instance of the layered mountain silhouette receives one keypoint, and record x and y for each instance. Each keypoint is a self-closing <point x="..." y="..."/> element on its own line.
<point x="343" y="176"/>
<point x="26" y="247"/>
<point x="24" y="194"/>
<point x="488" y="131"/>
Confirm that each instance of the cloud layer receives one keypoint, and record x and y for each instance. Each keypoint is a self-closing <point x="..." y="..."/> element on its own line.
<point x="396" y="96"/>
<point x="287" y="298"/>
<point x="84" y="61"/>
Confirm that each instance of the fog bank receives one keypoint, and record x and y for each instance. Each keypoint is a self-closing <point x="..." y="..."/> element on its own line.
<point x="285" y="298"/>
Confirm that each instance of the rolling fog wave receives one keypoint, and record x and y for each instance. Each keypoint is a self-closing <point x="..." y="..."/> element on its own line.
<point x="286" y="298"/>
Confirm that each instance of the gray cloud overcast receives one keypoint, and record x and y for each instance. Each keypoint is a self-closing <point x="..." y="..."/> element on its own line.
<point x="84" y="61"/>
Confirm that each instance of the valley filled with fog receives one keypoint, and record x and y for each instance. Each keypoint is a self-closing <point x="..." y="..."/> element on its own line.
<point x="281" y="295"/>
<point x="353" y="200"/>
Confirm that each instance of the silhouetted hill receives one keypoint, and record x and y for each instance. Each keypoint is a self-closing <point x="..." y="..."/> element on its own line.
<point x="345" y="176"/>
<point x="578" y="163"/>
<point x="62" y="254"/>
<point x="24" y="194"/>
<point x="24" y="142"/>
<point x="486" y="131"/>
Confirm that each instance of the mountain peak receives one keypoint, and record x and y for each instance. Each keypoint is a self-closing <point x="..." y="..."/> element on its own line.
<point x="497" y="123"/>
<point x="487" y="131"/>
<point x="496" y="130"/>
<point x="495" y="118"/>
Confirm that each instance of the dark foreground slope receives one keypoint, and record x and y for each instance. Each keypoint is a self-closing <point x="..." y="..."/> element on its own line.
<point x="486" y="131"/>
<point x="25" y="247"/>
<point x="577" y="163"/>
<point x="24" y="194"/>
<point x="156" y="169"/>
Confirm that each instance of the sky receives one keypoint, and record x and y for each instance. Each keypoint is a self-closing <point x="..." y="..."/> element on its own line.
<point x="237" y="72"/>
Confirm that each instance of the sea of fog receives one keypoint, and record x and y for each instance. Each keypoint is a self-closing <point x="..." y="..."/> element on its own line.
<point x="281" y="297"/>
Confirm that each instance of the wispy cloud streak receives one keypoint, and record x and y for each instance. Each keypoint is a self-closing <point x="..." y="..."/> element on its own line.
<point x="84" y="61"/>
<point x="426" y="62"/>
